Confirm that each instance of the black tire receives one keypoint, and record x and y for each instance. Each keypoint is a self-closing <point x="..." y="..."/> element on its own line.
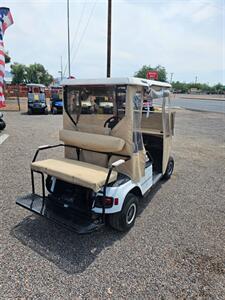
<point x="29" y="112"/>
<point x="124" y="220"/>
<point x="46" y="111"/>
<point x="169" y="169"/>
<point x="54" y="111"/>
<point x="2" y="124"/>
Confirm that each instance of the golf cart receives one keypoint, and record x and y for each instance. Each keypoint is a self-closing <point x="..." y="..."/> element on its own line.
<point x="2" y="122"/>
<point x="36" y="99"/>
<point x="56" y="102"/>
<point x="105" y="104"/>
<point x="110" y="161"/>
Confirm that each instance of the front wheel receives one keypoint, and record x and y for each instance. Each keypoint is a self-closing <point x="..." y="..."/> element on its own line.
<point x="54" y="110"/>
<point x="2" y="124"/>
<point x="169" y="169"/>
<point x="125" y="219"/>
<point x="46" y="111"/>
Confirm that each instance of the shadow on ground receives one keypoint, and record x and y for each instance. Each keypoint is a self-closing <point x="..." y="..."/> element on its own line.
<point x="68" y="251"/>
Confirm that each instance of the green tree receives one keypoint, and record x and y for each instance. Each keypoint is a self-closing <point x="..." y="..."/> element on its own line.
<point x="180" y="87"/>
<point x="218" y="88"/>
<point x="162" y="76"/>
<point x="36" y="73"/>
<point x="19" y="73"/>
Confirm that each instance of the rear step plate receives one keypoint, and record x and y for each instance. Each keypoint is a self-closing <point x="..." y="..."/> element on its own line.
<point x="74" y="222"/>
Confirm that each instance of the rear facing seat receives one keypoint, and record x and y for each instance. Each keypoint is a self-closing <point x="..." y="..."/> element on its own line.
<point x="90" y="175"/>
<point x="74" y="171"/>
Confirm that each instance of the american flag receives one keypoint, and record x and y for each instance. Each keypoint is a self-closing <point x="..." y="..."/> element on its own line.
<point x="5" y="21"/>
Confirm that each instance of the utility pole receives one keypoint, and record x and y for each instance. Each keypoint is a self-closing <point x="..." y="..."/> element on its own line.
<point x="196" y="78"/>
<point x="171" y="77"/>
<point x="108" y="73"/>
<point x="61" y="69"/>
<point x="68" y="32"/>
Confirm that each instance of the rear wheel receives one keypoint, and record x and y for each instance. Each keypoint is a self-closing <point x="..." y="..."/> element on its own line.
<point x="125" y="219"/>
<point x="169" y="169"/>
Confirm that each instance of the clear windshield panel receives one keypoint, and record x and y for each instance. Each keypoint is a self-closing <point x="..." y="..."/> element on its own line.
<point x="30" y="97"/>
<point x="137" y="116"/>
<point x="95" y="105"/>
<point x="42" y="97"/>
<point x="166" y="102"/>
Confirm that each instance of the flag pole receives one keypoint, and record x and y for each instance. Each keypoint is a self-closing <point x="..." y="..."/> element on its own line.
<point x="108" y="72"/>
<point x="68" y="35"/>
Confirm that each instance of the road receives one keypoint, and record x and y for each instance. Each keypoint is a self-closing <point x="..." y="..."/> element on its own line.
<point x="174" y="251"/>
<point x="196" y="104"/>
<point x="204" y="105"/>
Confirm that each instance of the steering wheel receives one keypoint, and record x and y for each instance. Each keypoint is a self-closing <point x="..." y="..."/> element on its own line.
<point x="112" y="121"/>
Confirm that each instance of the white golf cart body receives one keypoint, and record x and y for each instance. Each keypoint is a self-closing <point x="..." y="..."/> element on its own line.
<point x="108" y="156"/>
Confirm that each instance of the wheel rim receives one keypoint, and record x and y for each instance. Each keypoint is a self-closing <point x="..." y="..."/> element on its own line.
<point x="131" y="213"/>
<point x="170" y="168"/>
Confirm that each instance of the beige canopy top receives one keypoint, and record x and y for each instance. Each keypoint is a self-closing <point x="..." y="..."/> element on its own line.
<point x="116" y="81"/>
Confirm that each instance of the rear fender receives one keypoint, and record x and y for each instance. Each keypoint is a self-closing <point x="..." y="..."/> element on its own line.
<point x="119" y="192"/>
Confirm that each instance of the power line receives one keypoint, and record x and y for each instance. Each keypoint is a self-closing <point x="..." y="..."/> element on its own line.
<point x="79" y="23"/>
<point x="78" y="27"/>
<point x="84" y="31"/>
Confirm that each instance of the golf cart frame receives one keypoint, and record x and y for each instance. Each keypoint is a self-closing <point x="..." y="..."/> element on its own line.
<point x="36" y="99"/>
<point x="107" y="168"/>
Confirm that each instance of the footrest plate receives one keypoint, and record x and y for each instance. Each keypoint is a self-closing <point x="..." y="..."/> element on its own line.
<point x="74" y="222"/>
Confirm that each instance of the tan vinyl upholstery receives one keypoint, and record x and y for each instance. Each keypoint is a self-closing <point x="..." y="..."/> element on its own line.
<point x="76" y="172"/>
<point x="91" y="141"/>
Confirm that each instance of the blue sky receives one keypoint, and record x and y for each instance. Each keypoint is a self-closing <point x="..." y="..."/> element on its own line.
<point x="185" y="36"/>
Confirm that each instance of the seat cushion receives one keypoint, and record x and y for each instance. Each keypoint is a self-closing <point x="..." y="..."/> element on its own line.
<point x="92" y="141"/>
<point x="76" y="172"/>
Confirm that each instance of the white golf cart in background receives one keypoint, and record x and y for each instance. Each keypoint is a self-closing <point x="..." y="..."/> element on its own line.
<point x="112" y="157"/>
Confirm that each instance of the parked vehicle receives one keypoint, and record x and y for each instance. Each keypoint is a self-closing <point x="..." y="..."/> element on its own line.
<point x="110" y="161"/>
<point x="105" y="104"/>
<point x="36" y="99"/>
<point x="2" y="122"/>
<point x="56" y="99"/>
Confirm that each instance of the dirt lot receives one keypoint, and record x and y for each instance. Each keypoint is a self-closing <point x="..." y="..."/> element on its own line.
<point x="175" y="251"/>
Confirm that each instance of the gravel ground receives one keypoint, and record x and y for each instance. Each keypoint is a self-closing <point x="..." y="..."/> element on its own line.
<point x="176" y="249"/>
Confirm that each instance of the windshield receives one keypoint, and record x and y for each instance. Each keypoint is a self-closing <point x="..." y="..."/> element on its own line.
<point x="94" y="105"/>
<point x="56" y="96"/>
<point x="34" y="97"/>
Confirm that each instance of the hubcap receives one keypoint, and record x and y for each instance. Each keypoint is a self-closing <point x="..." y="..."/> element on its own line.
<point x="170" y="168"/>
<point x="131" y="213"/>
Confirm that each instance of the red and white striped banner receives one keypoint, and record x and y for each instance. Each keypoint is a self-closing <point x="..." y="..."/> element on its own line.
<point x="5" y="21"/>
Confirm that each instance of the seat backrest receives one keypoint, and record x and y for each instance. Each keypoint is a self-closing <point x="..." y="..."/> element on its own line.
<point x="94" y="142"/>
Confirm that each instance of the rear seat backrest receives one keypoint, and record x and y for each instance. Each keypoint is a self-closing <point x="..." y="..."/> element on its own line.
<point x="94" y="142"/>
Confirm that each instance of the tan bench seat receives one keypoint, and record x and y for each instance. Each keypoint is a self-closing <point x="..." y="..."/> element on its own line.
<point x="76" y="172"/>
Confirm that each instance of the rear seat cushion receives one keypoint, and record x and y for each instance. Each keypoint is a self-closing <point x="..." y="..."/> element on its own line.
<point x="92" y="141"/>
<point x="76" y="172"/>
